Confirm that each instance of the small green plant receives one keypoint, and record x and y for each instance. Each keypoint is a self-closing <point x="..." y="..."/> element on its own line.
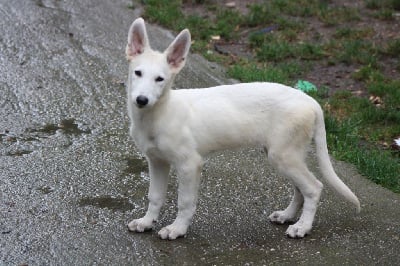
<point x="269" y="49"/>
<point x="383" y="9"/>
<point x="260" y="15"/>
<point x="373" y="4"/>
<point x="357" y="51"/>
<point x="384" y="14"/>
<point x="275" y="51"/>
<point x="368" y="74"/>
<point x="165" y="12"/>
<point x="396" y="4"/>
<point x="250" y="73"/>
<point x="381" y="4"/>
<point x="333" y="16"/>
<point x="227" y="22"/>
<point x="393" y="48"/>
<point x="346" y="33"/>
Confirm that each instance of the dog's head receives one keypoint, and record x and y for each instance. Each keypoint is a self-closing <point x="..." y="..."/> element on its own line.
<point x="151" y="73"/>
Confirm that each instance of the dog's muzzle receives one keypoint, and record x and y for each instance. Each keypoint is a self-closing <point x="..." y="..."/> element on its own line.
<point x="142" y="101"/>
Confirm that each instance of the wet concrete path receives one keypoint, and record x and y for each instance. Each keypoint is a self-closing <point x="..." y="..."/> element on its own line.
<point x="70" y="178"/>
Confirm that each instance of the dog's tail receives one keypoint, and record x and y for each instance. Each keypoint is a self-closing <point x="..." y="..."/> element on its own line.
<point x="325" y="163"/>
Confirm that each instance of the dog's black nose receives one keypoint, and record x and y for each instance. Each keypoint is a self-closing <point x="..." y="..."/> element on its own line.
<point x="142" y="100"/>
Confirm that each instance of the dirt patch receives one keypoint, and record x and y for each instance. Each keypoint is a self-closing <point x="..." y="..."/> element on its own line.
<point x="337" y="77"/>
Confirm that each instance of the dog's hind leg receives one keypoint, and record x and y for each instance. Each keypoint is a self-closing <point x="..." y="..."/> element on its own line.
<point x="158" y="171"/>
<point x="289" y="214"/>
<point x="188" y="172"/>
<point x="290" y="163"/>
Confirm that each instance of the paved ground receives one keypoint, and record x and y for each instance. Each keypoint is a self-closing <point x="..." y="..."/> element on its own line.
<point x="70" y="179"/>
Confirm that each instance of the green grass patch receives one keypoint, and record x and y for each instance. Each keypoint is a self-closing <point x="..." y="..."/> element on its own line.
<point x="378" y="123"/>
<point x="345" y="144"/>
<point x="382" y="4"/>
<point x="169" y="14"/>
<point x="281" y="50"/>
<point x="283" y="73"/>
<point x="227" y="23"/>
<point x="389" y="111"/>
<point x="383" y="9"/>
<point x="347" y="33"/>
<point x="165" y="12"/>
<point x="333" y="16"/>
<point x="357" y="52"/>
<point x="250" y="73"/>
<point x="368" y="74"/>
<point x="384" y="14"/>
<point x="393" y="48"/>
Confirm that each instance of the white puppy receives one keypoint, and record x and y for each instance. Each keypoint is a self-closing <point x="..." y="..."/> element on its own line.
<point x="178" y="127"/>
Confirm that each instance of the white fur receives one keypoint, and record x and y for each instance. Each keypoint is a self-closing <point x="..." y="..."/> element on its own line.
<point x="178" y="127"/>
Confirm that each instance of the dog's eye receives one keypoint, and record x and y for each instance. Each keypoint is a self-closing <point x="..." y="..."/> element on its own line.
<point x="159" y="79"/>
<point x="138" y="73"/>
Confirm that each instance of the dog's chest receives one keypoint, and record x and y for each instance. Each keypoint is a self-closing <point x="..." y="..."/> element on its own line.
<point x="145" y="140"/>
<point x="150" y="142"/>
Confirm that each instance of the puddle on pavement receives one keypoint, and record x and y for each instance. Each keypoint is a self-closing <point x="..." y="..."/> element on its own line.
<point x="18" y="153"/>
<point x="45" y="189"/>
<point x="8" y="137"/>
<point x="14" y="143"/>
<point x="135" y="165"/>
<point x="19" y="142"/>
<point x="66" y="126"/>
<point x="107" y="202"/>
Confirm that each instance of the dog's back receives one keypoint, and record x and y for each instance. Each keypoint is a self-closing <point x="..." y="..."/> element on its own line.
<point x="248" y="114"/>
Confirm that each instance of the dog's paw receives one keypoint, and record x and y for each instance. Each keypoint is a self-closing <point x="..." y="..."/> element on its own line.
<point x="298" y="230"/>
<point x="172" y="232"/>
<point x="280" y="217"/>
<point x="140" y="225"/>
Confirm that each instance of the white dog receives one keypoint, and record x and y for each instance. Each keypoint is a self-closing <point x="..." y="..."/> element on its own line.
<point x="178" y="127"/>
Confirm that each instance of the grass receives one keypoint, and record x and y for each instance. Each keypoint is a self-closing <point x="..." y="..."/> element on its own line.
<point x="359" y="130"/>
<point x="345" y="144"/>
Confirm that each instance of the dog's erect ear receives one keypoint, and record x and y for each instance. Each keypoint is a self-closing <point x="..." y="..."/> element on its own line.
<point x="137" y="39"/>
<point x="178" y="51"/>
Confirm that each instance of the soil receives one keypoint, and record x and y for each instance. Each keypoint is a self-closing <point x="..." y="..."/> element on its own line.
<point x="323" y="74"/>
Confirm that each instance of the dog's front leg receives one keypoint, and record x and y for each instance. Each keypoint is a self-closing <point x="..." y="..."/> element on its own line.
<point x="289" y="214"/>
<point x="189" y="173"/>
<point x="159" y="171"/>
